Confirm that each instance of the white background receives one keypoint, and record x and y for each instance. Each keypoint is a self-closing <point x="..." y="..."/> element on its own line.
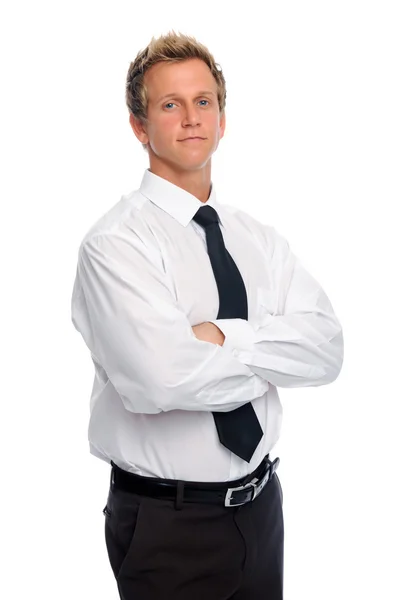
<point x="312" y="136"/>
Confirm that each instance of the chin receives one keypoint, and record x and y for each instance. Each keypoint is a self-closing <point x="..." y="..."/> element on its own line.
<point x="190" y="162"/>
<point x="194" y="165"/>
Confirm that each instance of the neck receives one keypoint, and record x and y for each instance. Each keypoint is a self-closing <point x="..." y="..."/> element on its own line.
<point x="197" y="183"/>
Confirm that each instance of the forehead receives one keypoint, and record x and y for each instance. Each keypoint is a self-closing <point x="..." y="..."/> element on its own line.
<point x="185" y="77"/>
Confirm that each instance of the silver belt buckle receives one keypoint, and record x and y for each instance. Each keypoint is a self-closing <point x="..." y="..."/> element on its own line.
<point x="256" y="484"/>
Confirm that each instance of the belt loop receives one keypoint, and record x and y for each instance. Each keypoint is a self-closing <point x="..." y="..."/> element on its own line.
<point x="250" y="476"/>
<point x="179" y="495"/>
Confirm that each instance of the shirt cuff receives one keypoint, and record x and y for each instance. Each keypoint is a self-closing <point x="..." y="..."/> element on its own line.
<point x="239" y="334"/>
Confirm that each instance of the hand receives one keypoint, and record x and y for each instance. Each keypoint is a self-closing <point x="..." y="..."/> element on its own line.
<point x="209" y="332"/>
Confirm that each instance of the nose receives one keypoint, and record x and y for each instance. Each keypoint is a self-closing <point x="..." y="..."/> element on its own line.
<point x="191" y="117"/>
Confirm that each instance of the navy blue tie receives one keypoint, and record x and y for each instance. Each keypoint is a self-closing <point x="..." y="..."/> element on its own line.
<point x="239" y="430"/>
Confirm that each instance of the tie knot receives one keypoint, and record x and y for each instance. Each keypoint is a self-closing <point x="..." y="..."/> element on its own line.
<point x="206" y="215"/>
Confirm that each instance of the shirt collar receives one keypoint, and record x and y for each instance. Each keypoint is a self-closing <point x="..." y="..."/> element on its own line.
<point x="177" y="202"/>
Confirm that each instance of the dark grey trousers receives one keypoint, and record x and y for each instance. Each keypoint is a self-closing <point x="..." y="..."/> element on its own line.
<point x="201" y="552"/>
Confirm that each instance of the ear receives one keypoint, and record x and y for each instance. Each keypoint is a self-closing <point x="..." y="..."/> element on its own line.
<point x="138" y="129"/>
<point x="222" y="124"/>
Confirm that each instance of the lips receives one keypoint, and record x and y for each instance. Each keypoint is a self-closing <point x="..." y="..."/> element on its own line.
<point x="192" y="138"/>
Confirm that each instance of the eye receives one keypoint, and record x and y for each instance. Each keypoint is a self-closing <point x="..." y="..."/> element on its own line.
<point x="171" y="103"/>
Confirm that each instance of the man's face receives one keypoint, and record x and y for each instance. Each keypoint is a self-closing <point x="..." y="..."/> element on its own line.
<point x="190" y="109"/>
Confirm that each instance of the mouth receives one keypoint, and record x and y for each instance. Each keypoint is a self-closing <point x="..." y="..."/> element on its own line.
<point x="192" y="139"/>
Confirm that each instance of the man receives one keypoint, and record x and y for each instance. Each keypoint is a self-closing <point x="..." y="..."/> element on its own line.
<point x="194" y="312"/>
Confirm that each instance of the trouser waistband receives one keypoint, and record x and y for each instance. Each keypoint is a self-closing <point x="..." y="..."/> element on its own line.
<point x="227" y="493"/>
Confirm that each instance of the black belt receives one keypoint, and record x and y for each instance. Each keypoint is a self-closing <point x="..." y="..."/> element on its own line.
<point x="229" y="493"/>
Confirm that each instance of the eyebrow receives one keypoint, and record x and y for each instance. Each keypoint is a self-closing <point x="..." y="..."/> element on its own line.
<point x="175" y="95"/>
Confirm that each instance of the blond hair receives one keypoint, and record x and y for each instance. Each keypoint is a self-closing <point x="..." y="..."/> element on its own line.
<point x="171" y="47"/>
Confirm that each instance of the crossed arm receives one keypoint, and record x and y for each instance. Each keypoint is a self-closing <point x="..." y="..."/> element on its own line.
<point x="208" y="332"/>
<point x="137" y="331"/>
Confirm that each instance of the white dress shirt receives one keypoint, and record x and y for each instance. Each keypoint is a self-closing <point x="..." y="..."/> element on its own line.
<point x="143" y="280"/>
